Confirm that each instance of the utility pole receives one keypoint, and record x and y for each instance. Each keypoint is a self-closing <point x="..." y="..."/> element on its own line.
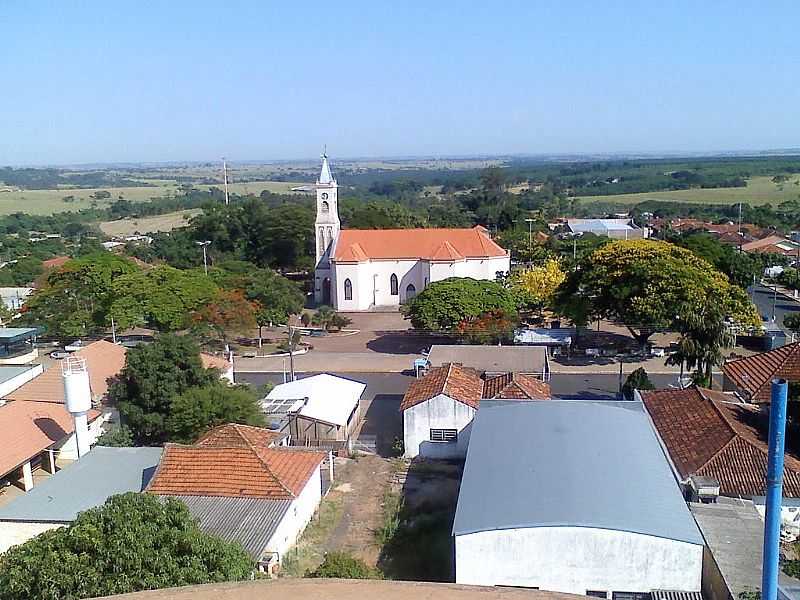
<point x="774" y="299"/>
<point x="113" y="331"/>
<point x="291" y="351"/>
<point x="530" y="235"/>
<point x="225" y="179"/>
<point x="204" y="245"/>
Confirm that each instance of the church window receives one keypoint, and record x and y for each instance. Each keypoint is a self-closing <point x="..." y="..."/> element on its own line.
<point x="393" y="285"/>
<point x="348" y="290"/>
<point x="325" y="207"/>
<point x="321" y="240"/>
<point x="411" y="291"/>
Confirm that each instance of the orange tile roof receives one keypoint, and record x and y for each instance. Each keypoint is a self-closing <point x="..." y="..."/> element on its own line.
<point x="355" y="245"/>
<point x="237" y="472"/>
<point x="459" y="383"/>
<point x="103" y="360"/>
<point x="30" y="428"/>
<point x="516" y="386"/>
<point x="752" y="375"/>
<point x="704" y="435"/>
<point x="234" y="435"/>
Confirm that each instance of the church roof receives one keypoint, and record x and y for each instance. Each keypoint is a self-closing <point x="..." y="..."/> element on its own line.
<point x="325" y="175"/>
<point x="355" y="245"/>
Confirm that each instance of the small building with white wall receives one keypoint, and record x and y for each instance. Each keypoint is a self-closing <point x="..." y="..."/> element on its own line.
<point x="572" y="496"/>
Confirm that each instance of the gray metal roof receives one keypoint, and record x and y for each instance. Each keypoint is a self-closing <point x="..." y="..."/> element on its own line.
<point x="599" y="226"/>
<point x="16" y="334"/>
<point x="85" y="484"/>
<point x="8" y="372"/>
<point x="493" y="359"/>
<point x="569" y="463"/>
<point x="249" y="521"/>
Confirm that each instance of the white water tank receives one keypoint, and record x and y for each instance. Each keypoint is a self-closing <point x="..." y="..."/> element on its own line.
<point x="78" y="399"/>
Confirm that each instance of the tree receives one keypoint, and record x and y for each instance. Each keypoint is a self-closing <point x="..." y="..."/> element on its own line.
<point x="117" y="437"/>
<point x="443" y="305"/>
<point x="792" y="322"/>
<point x="492" y="327"/>
<point x="133" y="542"/>
<point x="644" y="285"/>
<point x="535" y="288"/>
<point x="198" y="409"/>
<point x="637" y="380"/>
<point x="153" y="375"/>
<point x="228" y="313"/>
<point x="704" y="335"/>
<point x="344" y="566"/>
<point x="327" y="318"/>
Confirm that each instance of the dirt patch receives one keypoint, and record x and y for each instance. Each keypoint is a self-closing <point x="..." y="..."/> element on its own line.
<point x="166" y="222"/>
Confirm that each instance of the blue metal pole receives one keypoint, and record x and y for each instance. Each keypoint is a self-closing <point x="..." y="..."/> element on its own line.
<point x="772" y="525"/>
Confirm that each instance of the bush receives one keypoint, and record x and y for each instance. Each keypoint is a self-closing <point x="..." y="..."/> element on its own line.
<point x="117" y="437"/>
<point x="344" y="566"/>
<point x="637" y="380"/>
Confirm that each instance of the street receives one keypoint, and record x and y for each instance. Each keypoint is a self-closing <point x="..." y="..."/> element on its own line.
<point x="764" y="296"/>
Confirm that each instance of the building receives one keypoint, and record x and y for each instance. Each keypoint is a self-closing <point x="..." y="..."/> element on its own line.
<point x="493" y="360"/>
<point x="750" y="377"/>
<point x="618" y="229"/>
<point x="79" y="486"/>
<point x="246" y="490"/>
<point x="14" y="297"/>
<point x="556" y="340"/>
<point x="438" y="409"/>
<point x="772" y="244"/>
<point x="357" y="270"/>
<point x="17" y="345"/>
<point x="12" y="377"/>
<point x="320" y="409"/>
<point x="717" y="446"/>
<point x="541" y="506"/>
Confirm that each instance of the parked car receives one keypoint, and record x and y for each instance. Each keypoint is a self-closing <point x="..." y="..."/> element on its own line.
<point x="75" y="346"/>
<point x="59" y="354"/>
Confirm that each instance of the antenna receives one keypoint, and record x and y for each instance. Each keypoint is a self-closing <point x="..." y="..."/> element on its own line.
<point x="225" y="178"/>
<point x="78" y="399"/>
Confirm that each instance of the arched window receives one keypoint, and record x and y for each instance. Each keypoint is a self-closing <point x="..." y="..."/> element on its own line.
<point x="393" y="285"/>
<point x="348" y="290"/>
<point x="325" y="207"/>
<point x="321" y="241"/>
<point x="411" y="291"/>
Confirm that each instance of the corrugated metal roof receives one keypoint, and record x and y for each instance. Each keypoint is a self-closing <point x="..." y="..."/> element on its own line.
<point x="84" y="484"/>
<point x="569" y="463"/>
<point x="249" y="521"/>
<point x="675" y="595"/>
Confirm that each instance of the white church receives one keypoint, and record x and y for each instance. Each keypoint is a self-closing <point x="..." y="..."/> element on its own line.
<point x="363" y="269"/>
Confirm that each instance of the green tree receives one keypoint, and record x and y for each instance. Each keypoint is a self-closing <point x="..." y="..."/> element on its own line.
<point x="637" y="380"/>
<point x="704" y="335"/>
<point x="443" y="305"/>
<point x="198" y="409"/>
<point x="133" y="542"/>
<point x="792" y="322"/>
<point x="153" y="375"/>
<point x="117" y="437"/>
<point x="341" y="565"/>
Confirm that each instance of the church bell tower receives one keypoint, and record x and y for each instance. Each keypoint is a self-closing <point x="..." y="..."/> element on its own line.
<point x="326" y="226"/>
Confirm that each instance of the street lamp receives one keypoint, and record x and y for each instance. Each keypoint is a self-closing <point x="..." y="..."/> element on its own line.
<point x="530" y="234"/>
<point x="204" y="245"/>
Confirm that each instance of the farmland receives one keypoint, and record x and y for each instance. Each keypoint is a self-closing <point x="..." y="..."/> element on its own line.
<point x="759" y="191"/>
<point x="167" y="222"/>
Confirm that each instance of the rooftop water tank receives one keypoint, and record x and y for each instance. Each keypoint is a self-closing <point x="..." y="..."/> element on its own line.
<point x="77" y="391"/>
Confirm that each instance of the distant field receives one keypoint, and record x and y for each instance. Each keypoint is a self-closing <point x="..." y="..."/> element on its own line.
<point x="166" y="222"/>
<point x="256" y="187"/>
<point x="759" y="190"/>
<point x="45" y="202"/>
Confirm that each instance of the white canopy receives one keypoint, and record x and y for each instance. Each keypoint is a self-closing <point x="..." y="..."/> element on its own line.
<point x="322" y="397"/>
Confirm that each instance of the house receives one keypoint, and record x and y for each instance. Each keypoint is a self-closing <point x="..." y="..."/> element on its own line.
<point x="493" y="360"/>
<point x="619" y="229"/>
<point x="750" y="377"/>
<point x="438" y="409"/>
<point x="14" y="297"/>
<point x="246" y="490"/>
<point x="357" y="269"/>
<point x="773" y="244"/>
<point x="320" y="409"/>
<point x="716" y="443"/>
<point x="79" y="486"/>
<point x="573" y="496"/>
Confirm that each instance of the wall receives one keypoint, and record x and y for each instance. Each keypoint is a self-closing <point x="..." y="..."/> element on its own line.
<point x="577" y="559"/>
<point x="68" y="446"/>
<point x="13" y="533"/>
<point x="298" y="516"/>
<point x="440" y="412"/>
<point x="15" y="382"/>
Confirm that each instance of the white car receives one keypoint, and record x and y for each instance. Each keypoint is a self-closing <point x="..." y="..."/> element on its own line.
<point x="75" y="346"/>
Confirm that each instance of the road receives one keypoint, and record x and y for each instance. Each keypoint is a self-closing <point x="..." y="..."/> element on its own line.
<point x="763" y="298"/>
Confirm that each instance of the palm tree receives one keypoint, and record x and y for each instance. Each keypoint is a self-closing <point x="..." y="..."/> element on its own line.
<point x="704" y="335"/>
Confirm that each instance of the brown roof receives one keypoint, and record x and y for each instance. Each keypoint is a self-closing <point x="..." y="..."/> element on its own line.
<point x="210" y="361"/>
<point x="55" y="262"/>
<point x="752" y="375"/>
<point x="704" y="435"/>
<point x="234" y="435"/>
<point x="103" y="360"/>
<point x="234" y="472"/>
<point x="355" y="245"/>
<point x="516" y="386"/>
<point x="769" y="244"/>
<point x="459" y="383"/>
<point x="30" y="428"/>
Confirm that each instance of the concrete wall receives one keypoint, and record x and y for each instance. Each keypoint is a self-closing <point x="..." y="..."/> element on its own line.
<point x="15" y="382"/>
<point x="299" y="515"/>
<point x="577" y="559"/>
<point x="440" y="412"/>
<point x="13" y="533"/>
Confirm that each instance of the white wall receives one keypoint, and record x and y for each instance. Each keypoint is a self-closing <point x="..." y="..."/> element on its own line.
<point x="299" y="515"/>
<point x="440" y="412"/>
<point x="15" y="382"/>
<point x="13" y="533"/>
<point x="68" y="448"/>
<point x="577" y="559"/>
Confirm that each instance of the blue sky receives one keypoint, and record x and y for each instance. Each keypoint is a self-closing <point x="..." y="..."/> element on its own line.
<point x="91" y="81"/>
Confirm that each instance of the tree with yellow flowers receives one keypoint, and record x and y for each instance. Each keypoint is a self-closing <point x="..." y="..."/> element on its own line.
<point x="535" y="288"/>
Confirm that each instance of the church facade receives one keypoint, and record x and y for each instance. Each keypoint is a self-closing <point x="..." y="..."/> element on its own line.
<point x="364" y="269"/>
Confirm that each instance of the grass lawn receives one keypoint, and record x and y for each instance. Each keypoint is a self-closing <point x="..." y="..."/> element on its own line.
<point x="46" y="202"/>
<point x="165" y="222"/>
<point x="256" y="187"/>
<point x="759" y="190"/>
<point x="308" y="552"/>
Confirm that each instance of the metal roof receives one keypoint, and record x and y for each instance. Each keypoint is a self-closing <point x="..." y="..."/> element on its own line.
<point x="491" y="359"/>
<point x="249" y="521"/>
<point x="569" y="463"/>
<point x="322" y="397"/>
<point x="9" y="335"/>
<point x="9" y="372"/>
<point x="599" y="226"/>
<point x="84" y="484"/>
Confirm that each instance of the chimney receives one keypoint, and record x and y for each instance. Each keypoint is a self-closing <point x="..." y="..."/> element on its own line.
<point x="78" y="399"/>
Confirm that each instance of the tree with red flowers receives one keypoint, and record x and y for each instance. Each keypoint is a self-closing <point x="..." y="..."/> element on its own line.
<point x="229" y="313"/>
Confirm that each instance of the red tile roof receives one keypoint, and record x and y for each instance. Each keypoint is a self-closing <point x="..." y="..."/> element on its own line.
<point x="235" y="435"/>
<point x="356" y="245"/>
<point x="516" y="386"/>
<point x="706" y="436"/>
<point x="30" y="428"/>
<point x="234" y="472"/>
<point x="459" y="383"/>
<point x="752" y="375"/>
